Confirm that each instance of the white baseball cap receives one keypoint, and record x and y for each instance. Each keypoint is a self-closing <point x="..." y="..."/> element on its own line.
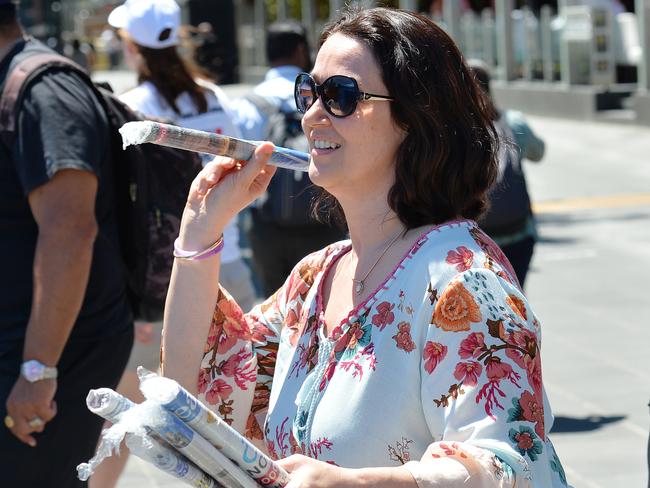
<point x="150" y="23"/>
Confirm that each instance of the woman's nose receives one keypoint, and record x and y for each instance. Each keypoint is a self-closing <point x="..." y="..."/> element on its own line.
<point x="315" y="115"/>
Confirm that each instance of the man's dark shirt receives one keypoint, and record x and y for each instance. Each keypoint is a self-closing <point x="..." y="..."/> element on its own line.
<point x="61" y="125"/>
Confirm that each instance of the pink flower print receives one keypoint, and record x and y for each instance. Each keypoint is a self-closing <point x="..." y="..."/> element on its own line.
<point x="532" y="410"/>
<point x="293" y="324"/>
<point x="403" y="337"/>
<point x="461" y="257"/>
<point x="472" y="346"/>
<point x="219" y="391"/>
<point x="534" y="370"/>
<point x="384" y="315"/>
<point x="433" y="354"/>
<point x="524" y="441"/>
<point x="230" y="365"/>
<point x="260" y="333"/>
<point x="270" y="445"/>
<point x="213" y="335"/>
<point x="204" y="380"/>
<point x="496" y="370"/>
<point x="234" y="324"/>
<point x="468" y="372"/>
<point x="355" y="332"/>
<point x="526" y="349"/>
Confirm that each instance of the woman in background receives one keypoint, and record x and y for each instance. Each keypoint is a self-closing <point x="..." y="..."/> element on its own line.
<point x="169" y="88"/>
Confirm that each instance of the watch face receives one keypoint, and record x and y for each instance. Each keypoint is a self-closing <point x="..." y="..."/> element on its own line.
<point x="33" y="370"/>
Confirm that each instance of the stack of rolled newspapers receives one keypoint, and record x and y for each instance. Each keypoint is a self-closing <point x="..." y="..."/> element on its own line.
<point x="175" y="432"/>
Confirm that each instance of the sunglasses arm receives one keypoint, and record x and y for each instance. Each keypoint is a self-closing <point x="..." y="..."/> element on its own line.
<point x="370" y="96"/>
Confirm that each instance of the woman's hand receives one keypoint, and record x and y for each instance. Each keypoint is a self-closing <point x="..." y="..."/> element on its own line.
<point x="223" y="188"/>
<point x="310" y="473"/>
<point x="306" y="472"/>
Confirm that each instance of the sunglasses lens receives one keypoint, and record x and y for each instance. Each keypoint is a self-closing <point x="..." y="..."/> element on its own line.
<point x="340" y="95"/>
<point x="304" y="93"/>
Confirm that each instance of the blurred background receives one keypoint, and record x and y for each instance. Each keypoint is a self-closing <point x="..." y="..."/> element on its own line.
<point x="579" y="70"/>
<point x="583" y="57"/>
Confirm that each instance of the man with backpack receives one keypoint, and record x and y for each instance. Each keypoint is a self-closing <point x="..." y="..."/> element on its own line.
<point x="509" y="221"/>
<point x="65" y="320"/>
<point x="282" y="229"/>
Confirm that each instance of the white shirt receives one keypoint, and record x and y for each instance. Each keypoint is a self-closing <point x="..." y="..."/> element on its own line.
<point x="277" y="87"/>
<point x="219" y="118"/>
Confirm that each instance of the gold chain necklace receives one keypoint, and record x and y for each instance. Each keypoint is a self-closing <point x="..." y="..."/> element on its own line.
<point x="359" y="285"/>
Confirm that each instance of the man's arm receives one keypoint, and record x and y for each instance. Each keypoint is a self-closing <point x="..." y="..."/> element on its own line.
<point x="64" y="210"/>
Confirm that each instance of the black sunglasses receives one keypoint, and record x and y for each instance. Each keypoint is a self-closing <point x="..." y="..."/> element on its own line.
<point x="338" y="93"/>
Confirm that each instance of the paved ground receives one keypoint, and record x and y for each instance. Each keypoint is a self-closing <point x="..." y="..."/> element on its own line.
<point x="589" y="285"/>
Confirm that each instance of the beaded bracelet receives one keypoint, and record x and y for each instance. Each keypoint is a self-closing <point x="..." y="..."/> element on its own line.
<point x="215" y="248"/>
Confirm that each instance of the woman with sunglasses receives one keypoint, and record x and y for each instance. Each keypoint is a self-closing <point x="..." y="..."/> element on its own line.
<point x="407" y="355"/>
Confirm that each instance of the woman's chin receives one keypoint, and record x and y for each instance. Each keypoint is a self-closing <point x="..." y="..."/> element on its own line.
<point x="318" y="175"/>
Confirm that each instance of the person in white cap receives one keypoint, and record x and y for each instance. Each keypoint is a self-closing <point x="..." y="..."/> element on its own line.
<point x="170" y="88"/>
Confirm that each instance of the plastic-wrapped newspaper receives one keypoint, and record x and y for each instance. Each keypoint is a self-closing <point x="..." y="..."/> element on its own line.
<point x="177" y="400"/>
<point x="145" y="444"/>
<point x="187" y="442"/>
<point x="169" y="461"/>
<point x="178" y="434"/>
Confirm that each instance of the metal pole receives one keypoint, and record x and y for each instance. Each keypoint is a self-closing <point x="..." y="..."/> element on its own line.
<point x="309" y="20"/>
<point x="335" y="6"/>
<point x="408" y="5"/>
<point x="547" y="42"/>
<point x="505" y="50"/>
<point x="527" y="61"/>
<point x="451" y="17"/>
<point x="282" y="9"/>
<point x="643" y="16"/>
<point x="565" y="62"/>
<point x="487" y="26"/>
<point x="260" y="29"/>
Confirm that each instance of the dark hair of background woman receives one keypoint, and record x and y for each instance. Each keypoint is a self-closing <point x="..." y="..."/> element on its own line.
<point x="448" y="159"/>
<point x="171" y="75"/>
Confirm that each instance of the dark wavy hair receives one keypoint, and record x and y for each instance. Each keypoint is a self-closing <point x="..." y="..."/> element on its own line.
<point x="448" y="159"/>
<point x="170" y="74"/>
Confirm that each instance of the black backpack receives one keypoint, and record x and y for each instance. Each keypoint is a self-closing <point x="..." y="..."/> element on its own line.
<point x="509" y="199"/>
<point x="151" y="182"/>
<point x="289" y="195"/>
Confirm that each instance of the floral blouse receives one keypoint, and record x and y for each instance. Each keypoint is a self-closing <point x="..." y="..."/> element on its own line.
<point x="439" y="369"/>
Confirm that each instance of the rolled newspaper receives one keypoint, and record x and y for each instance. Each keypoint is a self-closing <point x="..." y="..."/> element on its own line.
<point x="169" y="461"/>
<point x="198" y="450"/>
<point x="176" y="399"/>
<point x="108" y="404"/>
<point x="111" y="406"/>
<point x="147" y="131"/>
<point x="147" y="446"/>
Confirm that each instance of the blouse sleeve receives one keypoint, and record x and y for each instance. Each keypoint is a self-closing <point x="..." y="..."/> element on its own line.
<point x="241" y="350"/>
<point x="482" y="389"/>
<point x="239" y="359"/>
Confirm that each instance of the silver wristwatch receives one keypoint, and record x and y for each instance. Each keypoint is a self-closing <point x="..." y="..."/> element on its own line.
<point x="33" y="371"/>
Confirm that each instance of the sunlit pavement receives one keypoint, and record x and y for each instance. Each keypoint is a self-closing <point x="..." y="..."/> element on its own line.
<point x="589" y="286"/>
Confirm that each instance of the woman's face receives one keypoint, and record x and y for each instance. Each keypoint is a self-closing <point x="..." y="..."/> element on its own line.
<point x="131" y="56"/>
<point x="363" y="144"/>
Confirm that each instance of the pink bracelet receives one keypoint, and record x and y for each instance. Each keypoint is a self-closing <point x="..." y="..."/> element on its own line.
<point x="215" y="248"/>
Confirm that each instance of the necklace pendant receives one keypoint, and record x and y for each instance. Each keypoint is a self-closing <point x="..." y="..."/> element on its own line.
<point x="358" y="287"/>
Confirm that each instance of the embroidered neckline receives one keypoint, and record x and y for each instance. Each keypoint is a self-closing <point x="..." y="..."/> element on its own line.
<point x="373" y="297"/>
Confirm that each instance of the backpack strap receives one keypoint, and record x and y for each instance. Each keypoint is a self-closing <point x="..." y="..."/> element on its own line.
<point x="17" y="81"/>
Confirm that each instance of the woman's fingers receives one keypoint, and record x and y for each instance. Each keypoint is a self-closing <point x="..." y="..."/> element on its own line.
<point x="211" y="174"/>
<point x="256" y="164"/>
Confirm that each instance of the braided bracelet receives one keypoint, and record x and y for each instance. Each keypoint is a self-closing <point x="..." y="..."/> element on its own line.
<point x="215" y="248"/>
